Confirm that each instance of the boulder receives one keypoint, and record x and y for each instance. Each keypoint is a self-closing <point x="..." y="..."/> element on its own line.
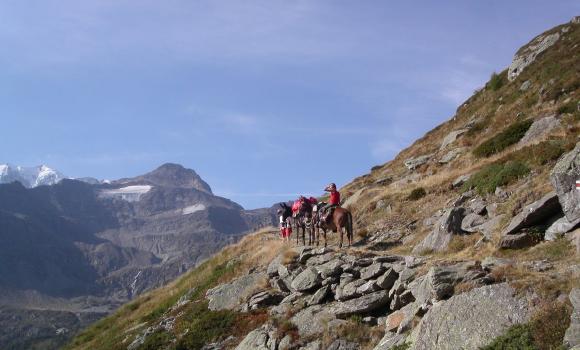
<point x="534" y="214"/>
<point x="306" y="280"/>
<point x="350" y="290"/>
<point x="368" y="287"/>
<point x="451" y="137"/>
<point x="560" y="227"/>
<point x="319" y="296"/>
<point x="413" y="163"/>
<point x="491" y="226"/>
<point x="341" y="344"/>
<point x="471" y="222"/>
<point x="372" y="271"/>
<point x="362" y="305"/>
<point x="471" y="320"/>
<point x="263" y="338"/>
<point x="402" y="299"/>
<point x="572" y="336"/>
<point x="330" y="269"/>
<point x="438" y="240"/>
<point x="525" y="85"/>
<point x="228" y="295"/>
<point x="526" y="55"/>
<point x="387" y="280"/>
<point x="539" y="129"/>
<point x="312" y="320"/>
<point x="272" y="269"/>
<point x="264" y="299"/>
<point x="460" y="180"/>
<point x="315" y="345"/>
<point x="439" y="283"/>
<point x="518" y="241"/>
<point x="563" y="177"/>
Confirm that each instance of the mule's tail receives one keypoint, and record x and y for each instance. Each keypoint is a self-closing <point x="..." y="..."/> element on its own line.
<point x="349" y="229"/>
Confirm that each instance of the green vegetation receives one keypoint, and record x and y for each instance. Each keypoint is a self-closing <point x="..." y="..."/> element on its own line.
<point x="569" y="107"/>
<point x="417" y="194"/>
<point x="205" y="326"/>
<point x="156" y="341"/>
<point x="494" y="175"/>
<point x="545" y="331"/>
<point x="501" y="141"/>
<point x="496" y="81"/>
<point x="404" y="346"/>
<point x="518" y="337"/>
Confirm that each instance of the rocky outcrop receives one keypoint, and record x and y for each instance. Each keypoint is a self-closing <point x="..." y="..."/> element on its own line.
<point x="439" y="238"/>
<point x="529" y="53"/>
<point x="534" y="214"/>
<point x="560" y="227"/>
<point x="263" y="338"/>
<point x="572" y="336"/>
<point x="451" y="137"/>
<point x="229" y="295"/>
<point x="414" y="163"/>
<point x="539" y="129"/>
<point x="563" y="177"/>
<point x="452" y="325"/>
<point x="307" y="280"/>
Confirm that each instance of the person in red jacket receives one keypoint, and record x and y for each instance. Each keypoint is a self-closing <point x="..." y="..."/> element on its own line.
<point x="333" y="201"/>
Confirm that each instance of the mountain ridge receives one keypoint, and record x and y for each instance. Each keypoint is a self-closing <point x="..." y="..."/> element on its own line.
<point x="434" y="242"/>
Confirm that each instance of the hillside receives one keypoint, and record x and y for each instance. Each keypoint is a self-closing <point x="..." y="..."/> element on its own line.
<point x="468" y="239"/>
<point x="72" y="252"/>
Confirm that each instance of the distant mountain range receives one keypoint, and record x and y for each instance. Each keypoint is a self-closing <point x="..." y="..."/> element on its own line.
<point x="73" y="250"/>
<point x="29" y="176"/>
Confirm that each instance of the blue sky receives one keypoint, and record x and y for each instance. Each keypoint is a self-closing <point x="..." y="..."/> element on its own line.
<point x="264" y="99"/>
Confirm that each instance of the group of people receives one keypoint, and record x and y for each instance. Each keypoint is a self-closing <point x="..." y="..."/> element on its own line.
<point x="324" y="209"/>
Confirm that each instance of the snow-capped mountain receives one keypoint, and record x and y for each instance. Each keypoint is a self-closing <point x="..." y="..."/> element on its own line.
<point x="30" y="176"/>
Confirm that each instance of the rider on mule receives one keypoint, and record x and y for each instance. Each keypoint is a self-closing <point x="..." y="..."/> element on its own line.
<point x="333" y="201"/>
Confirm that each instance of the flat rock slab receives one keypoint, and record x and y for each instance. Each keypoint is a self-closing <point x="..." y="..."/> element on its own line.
<point x="539" y="129"/>
<point x="229" y="295"/>
<point x="360" y="305"/>
<point x="535" y="213"/>
<point x="472" y="319"/>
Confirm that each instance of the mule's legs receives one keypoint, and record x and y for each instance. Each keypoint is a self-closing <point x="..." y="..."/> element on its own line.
<point x="341" y="235"/>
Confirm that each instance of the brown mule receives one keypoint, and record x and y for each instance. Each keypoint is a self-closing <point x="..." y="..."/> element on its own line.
<point x="341" y="219"/>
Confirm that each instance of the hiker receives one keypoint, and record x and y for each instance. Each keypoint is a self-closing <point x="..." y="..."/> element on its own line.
<point x="333" y="201"/>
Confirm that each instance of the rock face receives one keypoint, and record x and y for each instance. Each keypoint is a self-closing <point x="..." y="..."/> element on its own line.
<point x="227" y="296"/>
<point x="528" y="54"/>
<point x="439" y="238"/>
<point x="452" y="325"/>
<point x="413" y="163"/>
<point x="534" y="213"/>
<point x="563" y="177"/>
<point x="516" y="241"/>
<point x="572" y="336"/>
<point x="539" y="129"/>
<point x="560" y="227"/>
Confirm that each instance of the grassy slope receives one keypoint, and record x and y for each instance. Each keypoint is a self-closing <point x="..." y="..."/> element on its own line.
<point x="498" y="105"/>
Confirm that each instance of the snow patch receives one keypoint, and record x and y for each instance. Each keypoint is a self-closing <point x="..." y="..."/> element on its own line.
<point x="192" y="209"/>
<point x="128" y="193"/>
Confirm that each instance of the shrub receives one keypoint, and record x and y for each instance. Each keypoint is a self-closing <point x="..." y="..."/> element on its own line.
<point x="569" y="107"/>
<point x="501" y="141"/>
<point x="404" y="346"/>
<point x="549" y="324"/>
<point x="518" y="337"/>
<point x="496" y="81"/>
<point x="417" y="193"/>
<point x="494" y="175"/>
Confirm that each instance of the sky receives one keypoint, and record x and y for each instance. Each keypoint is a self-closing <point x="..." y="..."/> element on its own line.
<point x="265" y="100"/>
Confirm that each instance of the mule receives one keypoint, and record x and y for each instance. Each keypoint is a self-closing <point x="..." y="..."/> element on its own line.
<point x="339" y="221"/>
<point x="285" y="212"/>
<point x="303" y="220"/>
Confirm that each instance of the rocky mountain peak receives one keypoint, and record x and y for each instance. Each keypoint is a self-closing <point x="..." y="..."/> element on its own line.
<point x="172" y="175"/>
